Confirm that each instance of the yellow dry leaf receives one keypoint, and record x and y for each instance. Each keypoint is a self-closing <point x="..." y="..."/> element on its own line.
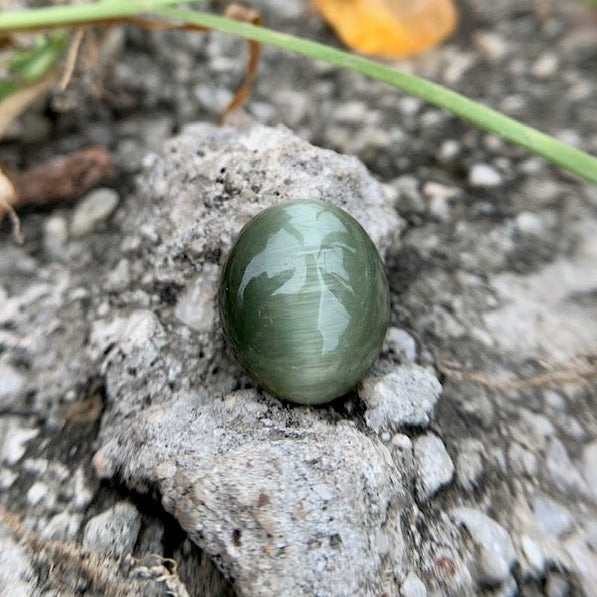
<point x="390" y="28"/>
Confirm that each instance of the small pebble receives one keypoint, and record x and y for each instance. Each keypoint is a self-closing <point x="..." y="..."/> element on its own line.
<point x="93" y="211"/>
<point x="402" y="344"/>
<point x="483" y="175"/>
<point x="13" y="447"/>
<point x="553" y="518"/>
<point x="433" y="465"/>
<point x="12" y="385"/>
<point x="405" y="396"/>
<point x="113" y="531"/>
<point x="63" y="526"/>
<point x="496" y="551"/>
<point x="55" y="234"/>
<point x="557" y="585"/>
<point x="533" y="554"/>
<point x="545" y="66"/>
<point x="469" y="464"/>
<point x="196" y="306"/>
<point x="37" y="492"/>
<point x="413" y="586"/>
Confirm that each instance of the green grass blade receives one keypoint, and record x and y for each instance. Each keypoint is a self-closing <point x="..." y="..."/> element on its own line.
<point x="559" y="153"/>
<point x="32" y="64"/>
<point x="62" y="16"/>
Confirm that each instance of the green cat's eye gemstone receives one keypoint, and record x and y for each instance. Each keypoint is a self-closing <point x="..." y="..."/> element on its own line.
<point x="304" y="301"/>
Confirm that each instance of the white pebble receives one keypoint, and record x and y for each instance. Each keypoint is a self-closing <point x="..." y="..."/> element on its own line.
<point x="484" y="175"/>
<point x="553" y="518"/>
<point x="55" y="234"/>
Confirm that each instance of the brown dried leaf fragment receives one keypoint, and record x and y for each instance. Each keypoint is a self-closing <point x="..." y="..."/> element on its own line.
<point x="64" y="178"/>
<point x="576" y="373"/>
<point x="246" y="15"/>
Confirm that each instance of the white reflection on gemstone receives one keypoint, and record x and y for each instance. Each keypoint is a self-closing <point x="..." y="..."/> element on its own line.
<point x="309" y="226"/>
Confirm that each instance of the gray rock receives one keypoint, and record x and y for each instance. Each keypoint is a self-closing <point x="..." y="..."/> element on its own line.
<point x="537" y="317"/>
<point x="12" y="385"/>
<point x="13" y="439"/>
<point x="405" y="396"/>
<point x="556" y="585"/>
<point x="197" y="305"/>
<point x="496" y="554"/>
<point x="113" y="531"/>
<point x="255" y="483"/>
<point x="402" y="344"/>
<point x="434" y="467"/>
<point x="469" y="464"/>
<point x="93" y="210"/>
<point x="553" y="518"/>
<point x="413" y="586"/>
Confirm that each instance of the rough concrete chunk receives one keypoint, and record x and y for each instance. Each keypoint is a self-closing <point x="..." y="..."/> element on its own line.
<point x="286" y="501"/>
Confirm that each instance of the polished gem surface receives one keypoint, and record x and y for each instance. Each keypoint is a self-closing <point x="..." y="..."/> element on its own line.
<point x="304" y="301"/>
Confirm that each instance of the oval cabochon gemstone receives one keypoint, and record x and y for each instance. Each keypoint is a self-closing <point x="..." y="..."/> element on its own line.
<point x="304" y="301"/>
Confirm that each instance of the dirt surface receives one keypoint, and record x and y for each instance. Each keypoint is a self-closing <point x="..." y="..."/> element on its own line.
<point x="494" y="292"/>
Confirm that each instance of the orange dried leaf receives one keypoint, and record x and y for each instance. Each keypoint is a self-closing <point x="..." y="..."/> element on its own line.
<point x="390" y="28"/>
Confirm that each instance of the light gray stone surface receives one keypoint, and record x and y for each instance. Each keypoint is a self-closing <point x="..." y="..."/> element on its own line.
<point x="268" y="491"/>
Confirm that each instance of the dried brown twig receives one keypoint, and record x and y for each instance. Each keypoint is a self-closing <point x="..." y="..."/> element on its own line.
<point x="576" y="373"/>
<point x="68" y="562"/>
